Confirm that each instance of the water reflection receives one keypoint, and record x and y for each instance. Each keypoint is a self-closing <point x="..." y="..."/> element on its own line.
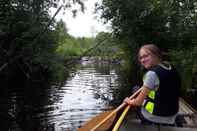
<point x="88" y="91"/>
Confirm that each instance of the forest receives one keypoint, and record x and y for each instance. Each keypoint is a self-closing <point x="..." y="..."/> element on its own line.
<point x="34" y="46"/>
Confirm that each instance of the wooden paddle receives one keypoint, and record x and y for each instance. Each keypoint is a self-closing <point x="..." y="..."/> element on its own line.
<point x="103" y="121"/>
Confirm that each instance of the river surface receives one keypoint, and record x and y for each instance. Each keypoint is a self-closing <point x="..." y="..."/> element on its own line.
<point x="90" y="89"/>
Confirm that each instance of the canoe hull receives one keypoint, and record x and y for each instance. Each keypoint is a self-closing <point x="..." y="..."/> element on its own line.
<point x="189" y="123"/>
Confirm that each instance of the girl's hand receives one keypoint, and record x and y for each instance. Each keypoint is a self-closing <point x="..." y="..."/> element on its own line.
<point x="128" y="101"/>
<point x="138" y="101"/>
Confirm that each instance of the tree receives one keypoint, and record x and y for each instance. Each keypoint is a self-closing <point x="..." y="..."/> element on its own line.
<point x="171" y="24"/>
<point x="162" y="22"/>
<point x="27" y="36"/>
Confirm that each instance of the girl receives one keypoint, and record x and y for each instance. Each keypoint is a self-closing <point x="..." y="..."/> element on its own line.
<point x="160" y="90"/>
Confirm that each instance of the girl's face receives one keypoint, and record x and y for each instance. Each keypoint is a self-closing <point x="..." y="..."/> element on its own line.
<point x="147" y="59"/>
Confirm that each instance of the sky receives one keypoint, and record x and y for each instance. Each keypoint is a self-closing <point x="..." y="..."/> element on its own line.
<point x="84" y="24"/>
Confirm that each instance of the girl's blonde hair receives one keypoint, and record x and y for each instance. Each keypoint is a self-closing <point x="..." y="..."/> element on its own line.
<point x="153" y="49"/>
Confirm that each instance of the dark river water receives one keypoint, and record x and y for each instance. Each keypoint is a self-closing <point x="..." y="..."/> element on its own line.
<point x="90" y="89"/>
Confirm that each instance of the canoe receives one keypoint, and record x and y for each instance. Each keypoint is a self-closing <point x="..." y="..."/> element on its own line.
<point x="186" y="121"/>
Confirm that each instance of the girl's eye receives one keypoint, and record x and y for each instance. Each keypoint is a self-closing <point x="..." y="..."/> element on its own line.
<point x="144" y="56"/>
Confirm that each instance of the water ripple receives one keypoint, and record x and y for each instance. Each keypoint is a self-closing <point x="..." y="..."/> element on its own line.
<point x="86" y="94"/>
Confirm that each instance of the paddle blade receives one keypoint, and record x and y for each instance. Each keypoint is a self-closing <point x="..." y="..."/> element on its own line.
<point x="96" y="120"/>
<point x="105" y="120"/>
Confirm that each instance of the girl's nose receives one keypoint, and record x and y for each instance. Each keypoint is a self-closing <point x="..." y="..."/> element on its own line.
<point x="142" y="60"/>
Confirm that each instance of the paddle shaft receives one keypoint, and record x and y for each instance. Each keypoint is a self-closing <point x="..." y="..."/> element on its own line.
<point x="118" y="123"/>
<point x="116" y="110"/>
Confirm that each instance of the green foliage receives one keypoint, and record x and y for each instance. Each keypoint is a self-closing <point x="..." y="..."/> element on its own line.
<point x="108" y="47"/>
<point x="171" y="24"/>
<point x="69" y="46"/>
<point x="103" y="46"/>
<point x="85" y="43"/>
<point x="184" y="60"/>
<point x="27" y="36"/>
<point x="165" y="23"/>
<point x="22" y="22"/>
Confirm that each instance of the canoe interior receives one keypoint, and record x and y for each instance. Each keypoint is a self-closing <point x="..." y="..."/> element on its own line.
<point x="187" y="121"/>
